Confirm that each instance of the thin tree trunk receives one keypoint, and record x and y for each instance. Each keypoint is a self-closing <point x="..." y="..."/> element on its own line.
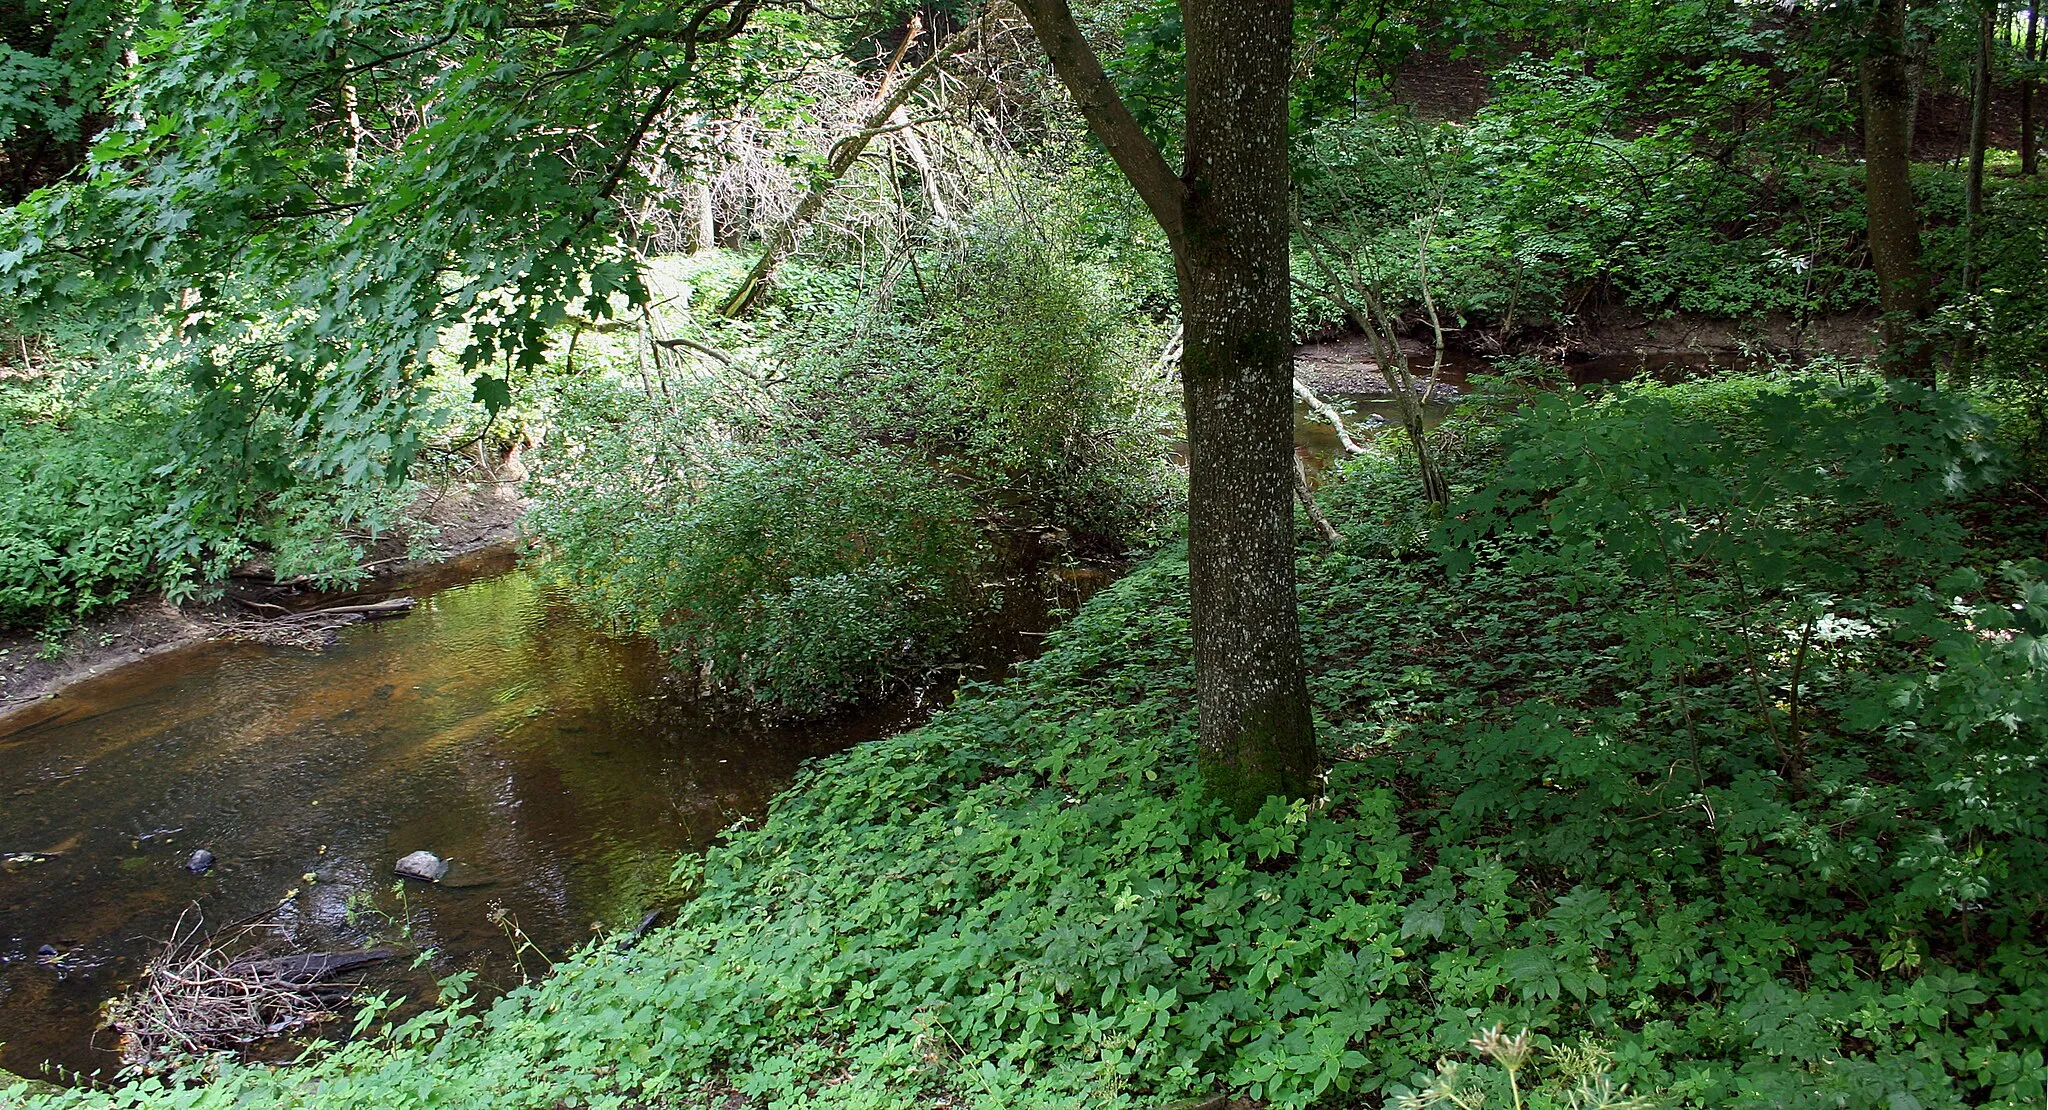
<point x="1973" y="184"/>
<point x="1369" y="315"/>
<point x="1307" y="497"/>
<point x="1225" y="216"/>
<point x="2030" y="157"/>
<point x="705" y="236"/>
<point x="1888" y="194"/>
<point x="782" y="242"/>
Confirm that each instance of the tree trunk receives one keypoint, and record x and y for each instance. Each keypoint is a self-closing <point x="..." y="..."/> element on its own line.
<point x="1225" y="217"/>
<point x="2030" y="156"/>
<point x="1237" y="374"/>
<point x="1888" y="194"/>
<point x="1973" y="183"/>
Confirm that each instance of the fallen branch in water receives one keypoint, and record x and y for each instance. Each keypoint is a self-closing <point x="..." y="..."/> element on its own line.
<point x="311" y="628"/>
<point x="368" y="609"/>
<point x="1324" y="409"/>
<point x="214" y="993"/>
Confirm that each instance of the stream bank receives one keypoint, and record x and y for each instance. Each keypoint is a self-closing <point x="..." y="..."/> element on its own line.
<point x="464" y="517"/>
<point x="560" y="768"/>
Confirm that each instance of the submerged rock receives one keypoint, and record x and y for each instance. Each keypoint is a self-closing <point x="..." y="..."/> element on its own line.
<point x="423" y="865"/>
<point x="200" y="862"/>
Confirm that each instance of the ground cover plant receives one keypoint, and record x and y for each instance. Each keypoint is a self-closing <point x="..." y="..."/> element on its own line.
<point x="1808" y="872"/>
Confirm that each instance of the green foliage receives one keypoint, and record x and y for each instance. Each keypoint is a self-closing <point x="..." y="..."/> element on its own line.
<point x="312" y="262"/>
<point x="1552" y="198"/>
<point x="1016" y="366"/>
<point x="806" y="572"/>
<point x="1027" y="903"/>
<point x="95" y="504"/>
<point x="2007" y="321"/>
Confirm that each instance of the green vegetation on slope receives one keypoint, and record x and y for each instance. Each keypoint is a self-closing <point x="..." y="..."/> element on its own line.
<point x="1767" y="831"/>
<point x="806" y="505"/>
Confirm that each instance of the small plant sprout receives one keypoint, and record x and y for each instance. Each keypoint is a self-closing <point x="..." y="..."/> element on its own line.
<point x="1582" y="1078"/>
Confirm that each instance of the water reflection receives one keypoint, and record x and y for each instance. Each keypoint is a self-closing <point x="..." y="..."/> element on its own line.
<point x="556" y="766"/>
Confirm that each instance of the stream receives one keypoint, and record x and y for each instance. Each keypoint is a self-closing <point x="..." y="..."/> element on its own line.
<point x="560" y="769"/>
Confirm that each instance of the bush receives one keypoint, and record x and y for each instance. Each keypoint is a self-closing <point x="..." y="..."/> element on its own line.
<point x="100" y="499"/>
<point x="805" y="572"/>
<point x="1016" y="368"/>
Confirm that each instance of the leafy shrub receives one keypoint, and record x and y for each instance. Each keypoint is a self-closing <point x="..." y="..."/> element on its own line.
<point x="76" y="506"/>
<point x="806" y="573"/>
<point x="100" y="498"/>
<point x="1017" y="368"/>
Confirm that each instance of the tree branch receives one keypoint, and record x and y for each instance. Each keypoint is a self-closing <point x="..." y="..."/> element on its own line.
<point x="1095" y="95"/>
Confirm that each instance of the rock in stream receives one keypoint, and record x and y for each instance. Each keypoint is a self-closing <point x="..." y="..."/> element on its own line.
<point x="423" y="865"/>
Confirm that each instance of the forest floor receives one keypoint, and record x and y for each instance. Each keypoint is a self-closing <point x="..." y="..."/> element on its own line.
<point x="455" y="517"/>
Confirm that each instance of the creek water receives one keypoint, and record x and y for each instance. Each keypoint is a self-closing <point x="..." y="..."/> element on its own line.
<point x="559" y="768"/>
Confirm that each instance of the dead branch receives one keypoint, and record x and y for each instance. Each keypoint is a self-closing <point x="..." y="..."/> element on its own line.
<point x="1307" y="497"/>
<point x="225" y="991"/>
<point x="1328" y="412"/>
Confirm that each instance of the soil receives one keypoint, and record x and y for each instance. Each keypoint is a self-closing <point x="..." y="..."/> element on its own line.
<point x="461" y="517"/>
<point x="1625" y="331"/>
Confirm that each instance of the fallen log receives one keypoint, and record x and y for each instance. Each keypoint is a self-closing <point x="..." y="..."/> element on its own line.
<point x="310" y="967"/>
<point x="367" y="609"/>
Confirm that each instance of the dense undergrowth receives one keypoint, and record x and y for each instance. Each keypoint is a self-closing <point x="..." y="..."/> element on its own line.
<point x="109" y="488"/>
<point x="804" y="507"/>
<point x="1688" y="770"/>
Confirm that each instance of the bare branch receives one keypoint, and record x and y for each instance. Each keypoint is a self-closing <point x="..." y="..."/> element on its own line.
<point x="1162" y="190"/>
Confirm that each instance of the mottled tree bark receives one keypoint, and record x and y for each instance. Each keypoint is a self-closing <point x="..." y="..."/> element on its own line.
<point x="2030" y="155"/>
<point x="1888" y="195"/>
<point x="1237" y="375"/>
<point x="1973" y="182"/>
<point x="1226" y="218"/>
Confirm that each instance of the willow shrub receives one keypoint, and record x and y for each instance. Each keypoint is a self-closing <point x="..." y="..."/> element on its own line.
<point x="805" y="572"/>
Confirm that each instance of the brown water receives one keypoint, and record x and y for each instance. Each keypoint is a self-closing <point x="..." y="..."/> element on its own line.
<point x="559" y="768"/>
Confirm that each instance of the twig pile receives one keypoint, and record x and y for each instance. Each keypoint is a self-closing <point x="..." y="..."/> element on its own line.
<point x="213" y="993"/>
<point x="312" y="628"/>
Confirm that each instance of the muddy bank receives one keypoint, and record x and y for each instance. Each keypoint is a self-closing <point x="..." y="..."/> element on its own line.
<point x="1620" y="332"/>
<point x="1610" y="345"/>
<point x="463" y="517"/>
